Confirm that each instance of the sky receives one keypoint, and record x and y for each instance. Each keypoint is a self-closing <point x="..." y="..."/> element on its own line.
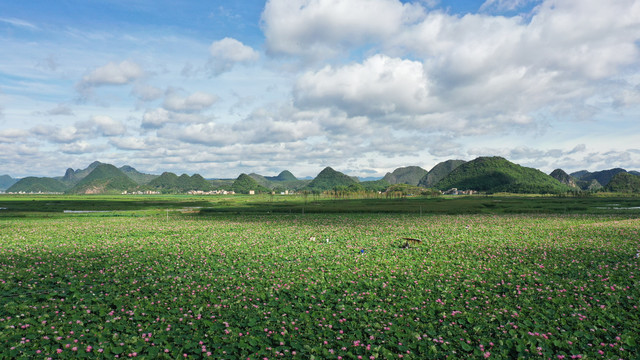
<point x="223" y="87"/>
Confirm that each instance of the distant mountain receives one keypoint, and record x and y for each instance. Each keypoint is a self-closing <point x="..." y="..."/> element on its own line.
<point x="245" y="183"/>
<point x="170" y="183"/>
<point x="72" y="177"/>
<point x="329" y="179"/>
<point x="104" y="179"/>
<point x="633" y="172"/>
<point x="496" y="174"/>
<point x="564" y="178"/>
<point x="603" y="176"/>
<point x="439" y="172"/>
<point x="285" y="175"/>
<point x="624" y="182"/>
<point x="575" y="183"/>
<point x="579" y="174"/>
<point x="410" y="175"/>
<point x="138" y="177"/>
<point x="6" y="181"/>
<point x="37" y="184"/>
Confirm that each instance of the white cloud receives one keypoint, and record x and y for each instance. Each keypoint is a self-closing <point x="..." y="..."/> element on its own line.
<point x="13" y="135"/>
<point x="78" y="147"/>
<point x="112" y="74"/>
<point x="227" y="52"/>
<point x="379" y="86"/>
<point x="197" y="101"/>
<point x="129" y="143"/>
<point x="145" y="92"/>
<point x="323" y="28"/>
<point x="19" y="23"/>
<point x="505" y="5"/>
<point x="155" y="118"/>
<point x="107" y="126"/>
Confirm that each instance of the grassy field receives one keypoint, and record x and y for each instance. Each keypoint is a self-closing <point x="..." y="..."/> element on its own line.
<point x="246" y="277"/>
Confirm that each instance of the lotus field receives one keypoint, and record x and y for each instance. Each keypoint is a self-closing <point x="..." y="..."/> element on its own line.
<point x="320" y="286"/>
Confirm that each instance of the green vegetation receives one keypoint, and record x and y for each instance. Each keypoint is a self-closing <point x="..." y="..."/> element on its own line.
<point x="625" y="183"/>
<point x="439" y="172"/>
<point x="244" y="184"/>
<point x="138" y="177"/>
<point x="496" y="174"/>
<point x="603" y="177"/>
<point x="37" y="184"/>
<point x="329" y="179"/>
<point x="104" y="178"/>
<point x="285" y="175"/>
<point x="153" y="283"/>
<point x="410" y="175"/>
<point x="170" y="183"/>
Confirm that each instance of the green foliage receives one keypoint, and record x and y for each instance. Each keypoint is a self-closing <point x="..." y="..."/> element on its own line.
<point x="603" y="177"/>
<point x="104" y="178"/>
<point x="320" y="286"/>
<point x="496" y="174"/>
<point x="329" y="179"/>
<point x="410" y="190"/>
<point x="37" y="184"/>
<point x="244" y="183"/>
<point x="285" y="175"/>
<point x="624" y="182"/>
<point x="138" y="177"/>
<point x="439" y="172"/>
<point x="375" y="185"/>
<point x="410" y="175"/>
<point x="170" y="183"/>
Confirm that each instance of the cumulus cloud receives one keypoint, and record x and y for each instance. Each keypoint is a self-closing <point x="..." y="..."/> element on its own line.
<point x="380" y="85"/>
<point x="60" y="110"/>
<point x="323" y="28"/>
<point x="159" y="117"/>
<point x="145" y="92"/>
<point x="13" y="135"/>
<point x="78" y="147"/>
<point x="107" y="126"/>
<point x="112" y="74"/>
<point x="228" y="52"/>
<point x="129" y="143"/>
<point x="197" y="101"/>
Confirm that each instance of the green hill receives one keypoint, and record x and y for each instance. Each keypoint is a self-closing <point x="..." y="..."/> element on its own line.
<point x="624" y="182"/>
<point x="285" y="175"/>
<point x="244" y="183"/>
<point x="603" y="176"/>
<point x="573" y="182"/>
<point x="104" y="179"/>
<point x="263" y="181"/>
<point x="564" y="178"/>
<point x="410" y="175"/>
<point x="6" y="182"/>
<point x="329" y="179"/>
<point x="37" y="184"/>
<point x="439" y="172"/>
<point x="496" y="174"/>
<point x="138" y="177"/>
<point x="170" y="183"/>
<point x="72" y="177"/>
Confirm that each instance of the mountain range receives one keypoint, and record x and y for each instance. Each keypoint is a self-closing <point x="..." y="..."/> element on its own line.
<point x="483" y="174"/>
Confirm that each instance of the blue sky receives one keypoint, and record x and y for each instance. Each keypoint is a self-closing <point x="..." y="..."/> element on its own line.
<point x="365" y="86"/>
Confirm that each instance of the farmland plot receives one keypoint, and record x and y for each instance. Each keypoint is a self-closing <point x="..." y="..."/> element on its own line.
<point x="320" y="286"/>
